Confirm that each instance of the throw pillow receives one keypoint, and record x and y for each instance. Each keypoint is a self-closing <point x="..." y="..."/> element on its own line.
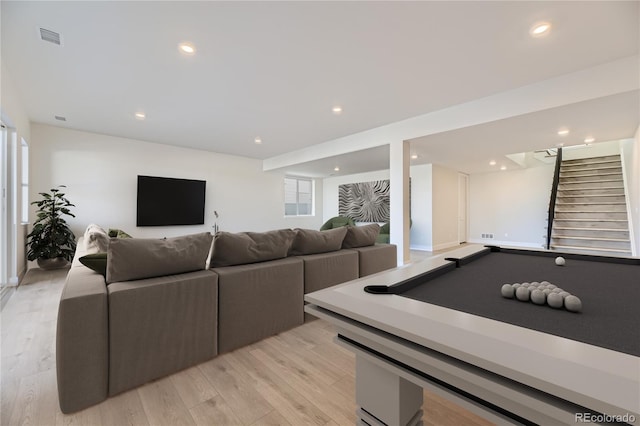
<point x="96" y="262"/>
<point x="250" y="247"/>
<point x="96" y="239"/>
<point x="308" y="241"/>
<point x="137" y="258"/>
<point x="361" y="236"/>
<point x="118" y="233"/>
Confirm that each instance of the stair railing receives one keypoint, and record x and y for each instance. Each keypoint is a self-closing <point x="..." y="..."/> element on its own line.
<point x="554" y="195"/>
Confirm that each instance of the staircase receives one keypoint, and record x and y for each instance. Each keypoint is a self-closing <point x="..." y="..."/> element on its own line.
<point x="591" y="210"/>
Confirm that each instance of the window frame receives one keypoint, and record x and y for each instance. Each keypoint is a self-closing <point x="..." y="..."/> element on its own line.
<point x="298" y="179"/>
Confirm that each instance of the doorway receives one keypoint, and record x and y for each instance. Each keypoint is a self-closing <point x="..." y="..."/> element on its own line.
<point x="463" y="220"/>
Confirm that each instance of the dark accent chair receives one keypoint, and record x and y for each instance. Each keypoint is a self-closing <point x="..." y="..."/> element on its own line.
<point x="337" y="222"/>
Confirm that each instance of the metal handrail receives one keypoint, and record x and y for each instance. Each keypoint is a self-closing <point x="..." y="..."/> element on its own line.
<point x="554" y="195"/>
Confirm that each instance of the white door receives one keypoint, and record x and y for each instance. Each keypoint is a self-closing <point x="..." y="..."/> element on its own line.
<point x="463" y="185"/>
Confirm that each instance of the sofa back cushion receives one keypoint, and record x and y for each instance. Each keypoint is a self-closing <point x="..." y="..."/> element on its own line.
<point x="309" y="241"/>
<point x="136" y="258"/>
<point x="250" y="247"/>
<point x="361" y="236"/>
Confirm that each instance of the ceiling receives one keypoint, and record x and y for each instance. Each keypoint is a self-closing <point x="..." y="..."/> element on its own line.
<point x="274" y="70"/>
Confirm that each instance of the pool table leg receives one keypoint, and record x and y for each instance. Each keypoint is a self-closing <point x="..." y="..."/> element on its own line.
<point x="385" y="398"/>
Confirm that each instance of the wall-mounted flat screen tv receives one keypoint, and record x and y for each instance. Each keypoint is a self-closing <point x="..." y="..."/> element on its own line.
<point x="168" y="201"/>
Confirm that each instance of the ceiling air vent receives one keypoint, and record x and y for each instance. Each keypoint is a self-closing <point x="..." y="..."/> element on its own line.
<point x="50" y="36"/>
<point x="60" y="118"/>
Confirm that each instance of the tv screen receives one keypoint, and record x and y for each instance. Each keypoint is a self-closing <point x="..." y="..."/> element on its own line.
<point x="167" y="201"/>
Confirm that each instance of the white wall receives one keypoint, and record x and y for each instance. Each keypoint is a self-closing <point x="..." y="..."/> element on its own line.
<point x="101" y="171"/>
<point x="630" y="150"/>
<point x="511" y="205"/>
<point x="445" y="208"/>
<point x="15" y="117"/>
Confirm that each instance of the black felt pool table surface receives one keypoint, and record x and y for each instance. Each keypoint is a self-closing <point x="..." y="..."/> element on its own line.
<point x="610" y="294"/>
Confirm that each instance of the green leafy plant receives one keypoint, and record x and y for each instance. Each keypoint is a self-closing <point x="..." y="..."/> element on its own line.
<point x="51" y="237"/>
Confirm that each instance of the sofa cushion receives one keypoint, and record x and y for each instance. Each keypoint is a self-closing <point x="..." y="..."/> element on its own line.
<point x="250" y="247"/>
<point x="309" y="241"/>
<point x="137" y="258"/>
<point x="361" y="236"/>
<point x="96" y="239"/>
<point x="96" y="262"/>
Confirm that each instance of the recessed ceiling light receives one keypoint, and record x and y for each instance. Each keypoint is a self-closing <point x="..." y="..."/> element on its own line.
<point x="414" y="156"/>
<point x="337" y="109"/>
<point x="187" y="48"/>
<point x="492" y="162"/>
<point x="258" y="140"/>
<point x="540" y="29"/>
<point x="503" y="168"/>
<point x="140" y="115"/>
<point x="589" y="139"/>
<point x="563" y="132"/>
<point x="336" y="168"/>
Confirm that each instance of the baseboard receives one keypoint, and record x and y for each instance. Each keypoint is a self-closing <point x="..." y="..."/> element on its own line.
<point x="420" y="248"/>
<point x="445" y="246"/>
<point x="490" y="242"/>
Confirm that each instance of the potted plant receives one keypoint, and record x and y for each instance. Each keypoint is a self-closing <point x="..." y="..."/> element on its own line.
<point x="51" y="241"/>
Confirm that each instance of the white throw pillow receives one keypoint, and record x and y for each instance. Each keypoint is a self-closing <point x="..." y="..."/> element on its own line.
<point x="96" y="239"/>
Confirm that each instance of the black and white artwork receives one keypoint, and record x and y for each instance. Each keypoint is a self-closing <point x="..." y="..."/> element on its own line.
<point x="365" y="201"/>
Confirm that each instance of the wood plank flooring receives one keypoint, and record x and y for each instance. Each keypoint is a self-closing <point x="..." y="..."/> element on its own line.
<point x="299" y="377"/>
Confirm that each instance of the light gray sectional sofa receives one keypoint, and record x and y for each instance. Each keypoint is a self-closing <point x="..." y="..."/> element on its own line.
<point x="160" y="307"/>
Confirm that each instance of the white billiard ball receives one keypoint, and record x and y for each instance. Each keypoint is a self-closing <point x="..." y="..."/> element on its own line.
<point x="560" y="261"/>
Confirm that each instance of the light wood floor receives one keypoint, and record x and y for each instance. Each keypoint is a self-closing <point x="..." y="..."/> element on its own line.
<point x="296" y="378"/>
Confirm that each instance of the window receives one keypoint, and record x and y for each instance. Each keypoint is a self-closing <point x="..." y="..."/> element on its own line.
<point x="25" y="182"/>
<point x="298" y="196"/>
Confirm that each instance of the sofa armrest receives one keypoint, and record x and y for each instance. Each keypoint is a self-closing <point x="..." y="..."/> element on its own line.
<point x="82" y="344"/>
<point x="377" y="258"/>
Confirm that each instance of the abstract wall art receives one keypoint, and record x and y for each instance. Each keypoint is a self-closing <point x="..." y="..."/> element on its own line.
<point x="365" y="201"/>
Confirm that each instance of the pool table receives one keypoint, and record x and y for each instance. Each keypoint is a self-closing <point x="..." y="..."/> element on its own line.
<point x="443" y="324"/>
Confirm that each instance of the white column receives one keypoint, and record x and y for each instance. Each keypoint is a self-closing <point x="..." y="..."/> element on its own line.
<point x="399" y="162"/>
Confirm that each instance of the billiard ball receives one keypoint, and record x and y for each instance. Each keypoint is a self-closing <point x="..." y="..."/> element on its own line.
<point x="573" y="304"/>
<point x="538" y="297"/>
<point x="554" y="300"/>
<point x="560" y="261"/>
<point x="508" y="291"/>
<point x="522" y="294"/>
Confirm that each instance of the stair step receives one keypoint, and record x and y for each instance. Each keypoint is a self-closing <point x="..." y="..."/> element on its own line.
<point x="572" y="228"/>
<point x="589" y="167"/>
<point x="602" y="199"/>
<point x="602" y="188"/>
<point x="592" y="233"/>
<point x="569" y="237"/>
<point x="592" y="203"/>
<point x="590" y="215"/>
<point x="577" y="223"/>
<point x="588" y="173"/>
<point x="603" y="163"/>
<point x="591" y="250"/>
<point x="592" y="220"/>
<point x="593" y="183"/>
<point x="593" y="160"/>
